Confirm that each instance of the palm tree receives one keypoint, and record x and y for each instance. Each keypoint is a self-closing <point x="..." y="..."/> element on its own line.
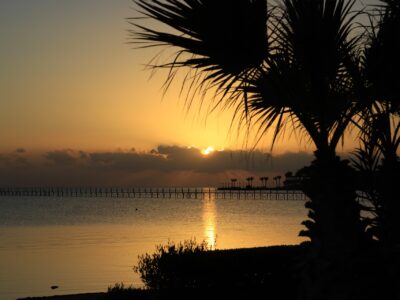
<point x="288" y="174"/>
<point x="279" y="180"/>
<point x="276" y="181"/>
<point x="311" y="81"/>
<point x="233" y="181"/>
<point x="293" y="65"/>
<point x="381" y="130"/>
<point x="264" y="181"/>
<point x="250" y="182"/>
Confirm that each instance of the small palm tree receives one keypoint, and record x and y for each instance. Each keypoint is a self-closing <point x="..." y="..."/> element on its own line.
<point x="279" y="180"/>
<point x="250" y="182"/>
<point x="264" y="181"/>
<point x="233" y="181"/>
<point x="276" y="181"/>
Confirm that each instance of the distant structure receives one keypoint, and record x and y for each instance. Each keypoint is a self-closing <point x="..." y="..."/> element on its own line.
<point x="291" y="182"/>
<point x="294" y="182"/>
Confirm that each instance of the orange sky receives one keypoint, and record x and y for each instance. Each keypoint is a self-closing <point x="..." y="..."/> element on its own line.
<point x="68" y="79"/>
<point x="73" y="89"/>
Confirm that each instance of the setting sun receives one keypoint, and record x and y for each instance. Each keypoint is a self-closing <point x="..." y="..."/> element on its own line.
<point x="207" y="151"/>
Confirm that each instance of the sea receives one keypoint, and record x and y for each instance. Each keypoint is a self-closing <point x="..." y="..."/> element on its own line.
<point x="87" y="244"/>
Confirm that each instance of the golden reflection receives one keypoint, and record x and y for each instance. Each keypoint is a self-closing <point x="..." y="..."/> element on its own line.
<point x="210" y="220"/>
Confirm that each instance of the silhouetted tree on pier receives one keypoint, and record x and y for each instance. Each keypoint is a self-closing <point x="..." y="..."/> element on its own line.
<point x="264" y="181"/>
<point x="288" y="174"/>
<point x="233" y="182"/>
<point x="249" y="181"/>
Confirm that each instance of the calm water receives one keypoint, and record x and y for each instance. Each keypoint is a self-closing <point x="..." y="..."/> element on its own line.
<point x="88" y="244"/>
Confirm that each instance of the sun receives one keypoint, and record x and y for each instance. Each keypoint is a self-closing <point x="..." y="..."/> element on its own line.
<point x="207" y="151"/>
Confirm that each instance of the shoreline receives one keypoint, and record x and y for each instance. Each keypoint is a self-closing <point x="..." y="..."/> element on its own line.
<point x="82" y="296"/>
<point x="210" y="265"/>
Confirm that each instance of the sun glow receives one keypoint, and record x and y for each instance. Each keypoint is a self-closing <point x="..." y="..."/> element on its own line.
<point x="207" y="151"/>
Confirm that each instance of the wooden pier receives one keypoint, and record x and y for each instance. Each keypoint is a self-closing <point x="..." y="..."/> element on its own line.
<point x="187" y="193"/>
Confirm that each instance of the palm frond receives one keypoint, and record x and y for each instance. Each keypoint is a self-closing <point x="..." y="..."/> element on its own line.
<point x="296" y="66"/>
<point x="222" y="38"/>
<point x="312" y="72"/>
<point x="382" y="61"/>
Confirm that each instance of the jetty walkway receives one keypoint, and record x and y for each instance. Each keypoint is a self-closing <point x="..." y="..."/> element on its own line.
<point x="120" y="192"/>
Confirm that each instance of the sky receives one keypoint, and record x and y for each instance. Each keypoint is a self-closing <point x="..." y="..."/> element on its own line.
<point x="75" y="101"/>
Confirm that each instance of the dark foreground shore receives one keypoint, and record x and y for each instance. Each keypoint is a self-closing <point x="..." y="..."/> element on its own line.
<point x="86" y="296"/>
<point x="277" y="272"/>
<point x="206" y="274"/>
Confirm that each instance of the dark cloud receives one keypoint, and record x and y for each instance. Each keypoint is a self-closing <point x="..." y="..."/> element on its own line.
<point x="61" y="157"/>
<point x="14" y="160"/>
<point x="22" y="162"/>
<point x="175" y="158"/>
<point x="164" y="165"/>
<point x="83" y="155"/>
<point x="20" y="150"/>
<point x="127" y="161"/>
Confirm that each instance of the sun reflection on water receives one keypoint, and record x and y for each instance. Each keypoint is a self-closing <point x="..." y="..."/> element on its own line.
<point x="209" y="220"/>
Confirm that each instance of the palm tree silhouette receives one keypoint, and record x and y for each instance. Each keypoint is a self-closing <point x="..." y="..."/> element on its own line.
<point x="293" y="65"/>
<point x="250" y="182"/>
<point x="276" y="181"/>
<point x="264" y="181"/>
<point x="278" y="178"/>
<point x="381" y="130"/>
<point x="233" y="181"/>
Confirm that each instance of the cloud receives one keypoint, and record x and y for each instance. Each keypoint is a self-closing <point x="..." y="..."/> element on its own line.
<point x="20" y="150"/>
<point x="126" y="161"/>
<point x="61" y="157"/>
<point x="22" y="162"/>
<point x="161" y="166"/>
<point x="176" y="158"/>
<point x="14" y="160"/>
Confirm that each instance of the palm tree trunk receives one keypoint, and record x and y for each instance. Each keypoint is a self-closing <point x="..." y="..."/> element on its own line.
<point x="335" y="229"/>
<point x="390" y="204"/>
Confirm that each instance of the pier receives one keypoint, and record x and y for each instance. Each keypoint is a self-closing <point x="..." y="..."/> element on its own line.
<point x="170" y="192"/>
